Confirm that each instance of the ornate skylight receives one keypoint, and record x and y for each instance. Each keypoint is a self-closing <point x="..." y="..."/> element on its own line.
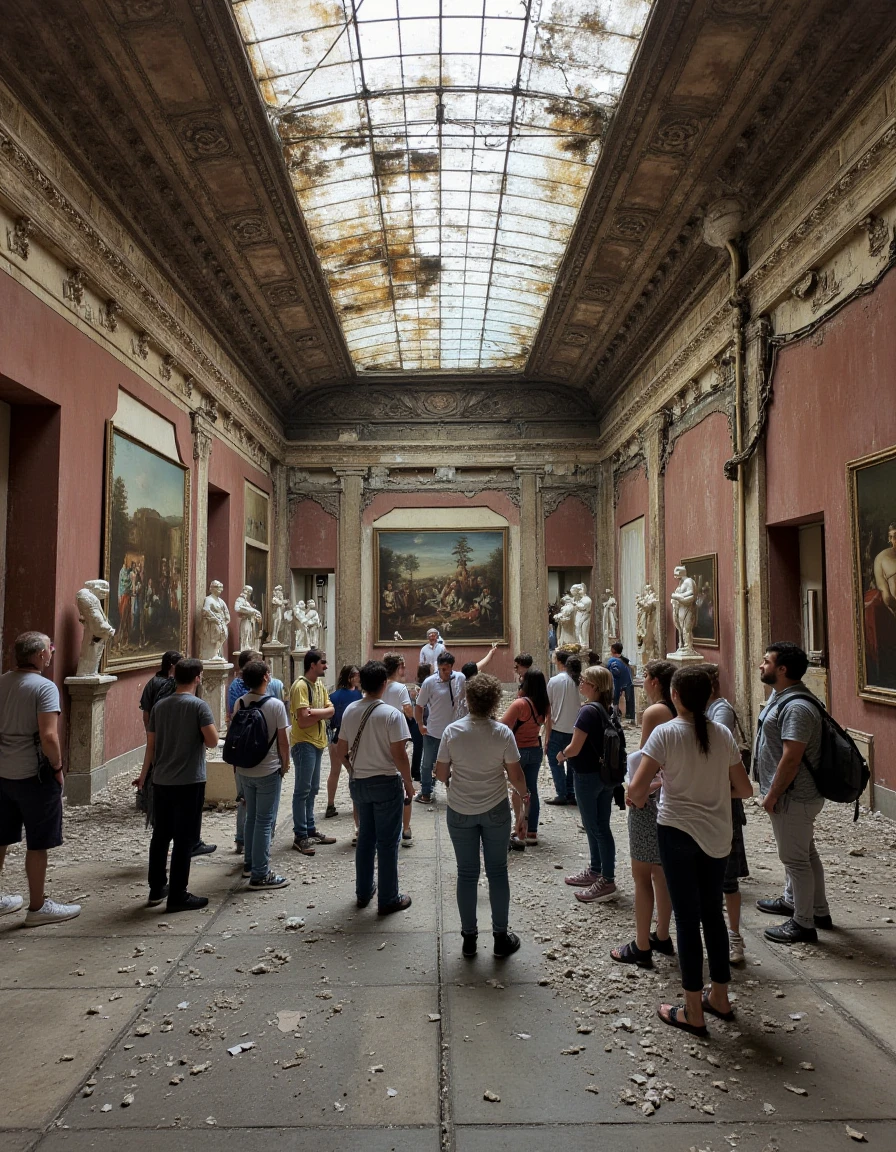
<point x="440" y="151"/>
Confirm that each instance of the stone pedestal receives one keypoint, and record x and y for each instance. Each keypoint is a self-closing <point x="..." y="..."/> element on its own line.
<point x="684" y="659"/>
<point x="298" y="664"/>
<point x="276" y="658"/>
<point x="215" y="675"/>
<point x="86" y="771"/>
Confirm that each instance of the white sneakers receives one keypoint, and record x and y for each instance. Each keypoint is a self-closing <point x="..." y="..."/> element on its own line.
<point x="51" y="913"/>
<point x="10" y="904"/>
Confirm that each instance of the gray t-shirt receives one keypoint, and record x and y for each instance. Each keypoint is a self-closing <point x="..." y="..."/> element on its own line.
<point x="721" y="712"/>
<point x="276" y="717"/>
<point x="23" y="696"/>
<point x="802" y="723"/>
<point x="177" y="722"/>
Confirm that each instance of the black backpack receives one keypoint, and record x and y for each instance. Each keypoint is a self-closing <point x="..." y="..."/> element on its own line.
<point x="613" y="765"/>
<point x="842" y="773"/>
<point x="247" y="742"/>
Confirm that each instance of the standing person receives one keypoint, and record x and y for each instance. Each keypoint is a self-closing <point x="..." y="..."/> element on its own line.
<point x="789" y="742"/>
<point x="398" y="695"/>
<point x="525" y="718"/>
<point x="372" y="745"/>
<point x="623" y="685"/>
<point x="261" y="784"/>
<point x="643" y="840"/>
<point x="181" y="727"/>
<point x="235" y="691"/>
<point x="423" y="672"/>
<point x="479" y="755"/>
<point x="432" y="649"/>
<point x="522" y="662"/>
<point x="160" y="684"/>
<point x="721" y="712"/>
<point x="31" y="776"/>
<point x="702" y="770"/>
<point x="443" y="694"/>
<point x="565" y="702"/>
<point x="311" y="709"/>
<point x="595" y="794"/>
<point x="347" y="691"/>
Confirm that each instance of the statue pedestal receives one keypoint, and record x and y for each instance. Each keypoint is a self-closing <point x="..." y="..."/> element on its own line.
<point x="298" y="663"/>
<point x="684" y="659"/>
<point x="276" y="658"/>
<point x="87" y="737"/>
<point x="215" y="674"/>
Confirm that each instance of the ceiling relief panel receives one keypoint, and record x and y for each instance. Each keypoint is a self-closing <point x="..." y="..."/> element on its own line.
<point x="440" y="151"/>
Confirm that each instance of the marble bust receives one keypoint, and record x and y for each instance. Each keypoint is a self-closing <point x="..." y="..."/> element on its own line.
<point x="97" y="629"/>
<point x="250" y="618"/>
<point x="610" y="618"/>
<point x="582" y="619"/>
<point x="564" y="619"/>
<point x="214" y="624"/>
<point x="647" y="603"/>
<point x="298" y="616"/>
<point x="279" y="604"/>
<point x="312" y="624"/>
<point x="684" y="611"/>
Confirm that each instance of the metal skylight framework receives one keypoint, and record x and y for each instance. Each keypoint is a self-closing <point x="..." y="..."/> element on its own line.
<point x="440" y="151"/>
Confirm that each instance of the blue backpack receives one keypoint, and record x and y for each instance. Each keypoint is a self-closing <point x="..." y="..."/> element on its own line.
<point x="247" y="742"/>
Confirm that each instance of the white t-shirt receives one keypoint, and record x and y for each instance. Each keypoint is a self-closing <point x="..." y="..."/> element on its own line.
<point x="696" y="792"/>
<point x="277" y="718"/>
<point x="477" y="749"/>
<point x="396" y="694"/>
<point x="563" y="693"/>
<point x="445" y="698"/>
<point x="385" y="726"/>
<point x="429" y="653"/>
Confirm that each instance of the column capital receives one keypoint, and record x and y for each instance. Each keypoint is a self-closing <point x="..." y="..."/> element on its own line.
<point x="202" y="436"/>
<point x="350" y="471"/>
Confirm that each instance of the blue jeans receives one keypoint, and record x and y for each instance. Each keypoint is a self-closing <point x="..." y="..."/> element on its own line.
<point x="262" y="795"/>
<point x="240" y="836"/>
<point x="563" y="774"/>
<point x="628" y="691"/>
<point x="530" y="762"/>
<point x="306" y="761"/>
<point x="380" y="803"/>
<point x="491" y="830"/>
<point x="428" y="762"/>
<point x="595" y="804"/>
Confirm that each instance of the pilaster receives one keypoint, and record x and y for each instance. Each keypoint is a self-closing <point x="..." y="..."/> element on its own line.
<point x="654" y="437"/>
<point x="349" y="645"/>
<point x="533" y="636"/>
<point x="202" y="425"/>
<point x="604" y="551"/>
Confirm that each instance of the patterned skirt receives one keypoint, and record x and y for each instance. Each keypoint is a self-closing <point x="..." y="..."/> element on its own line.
<point x="643" y="842"/>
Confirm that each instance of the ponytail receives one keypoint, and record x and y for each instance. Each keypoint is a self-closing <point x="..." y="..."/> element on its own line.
<point x="694" y="687"/>
<point x="574" y="669"/>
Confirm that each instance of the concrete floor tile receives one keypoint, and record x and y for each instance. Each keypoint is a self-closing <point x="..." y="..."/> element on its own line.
<point x="872" y="1005"/>
<point x="263" y="1139"/>
<point x="84" y="962"/>
<point x="19" y="1141"/>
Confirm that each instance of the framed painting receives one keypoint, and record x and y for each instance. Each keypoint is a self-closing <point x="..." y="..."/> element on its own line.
<point x="256" y="505"/>
<point x="257" y="578"/>
<point x="146" y="549"/>
<point x="872" y="481"/>
<point x="447" y="578"/>
<point x="704" y="570"/>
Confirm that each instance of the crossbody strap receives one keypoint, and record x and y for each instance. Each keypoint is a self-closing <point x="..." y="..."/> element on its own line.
<point x="354" y="748"/>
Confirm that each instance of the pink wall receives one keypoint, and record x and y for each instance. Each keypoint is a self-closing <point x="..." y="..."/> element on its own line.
<point x="313" y="537"/>
<point x="569" y="535"/>
<point x="631" y="504"/>
<point x="699" y="521"/>
<point x="834" y="401"/>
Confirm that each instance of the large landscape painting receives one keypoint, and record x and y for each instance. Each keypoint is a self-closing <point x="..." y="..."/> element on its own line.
<point x="145" y="553"/>
<point x="872" y="482"/>
<point x="451" y="579"/>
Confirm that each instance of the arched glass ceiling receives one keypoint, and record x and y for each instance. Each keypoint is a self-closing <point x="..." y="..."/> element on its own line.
<point x="440" y="151"/>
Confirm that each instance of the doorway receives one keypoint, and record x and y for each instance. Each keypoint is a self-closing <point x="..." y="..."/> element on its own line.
<point x="631" y="582"/>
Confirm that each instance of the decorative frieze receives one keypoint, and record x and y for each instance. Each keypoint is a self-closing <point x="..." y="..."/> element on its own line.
<point x="18" y="238"/>
<point x="73" y="286"/>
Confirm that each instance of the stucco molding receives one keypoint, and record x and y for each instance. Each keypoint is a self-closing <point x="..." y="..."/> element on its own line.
<point x="552" y="498"/>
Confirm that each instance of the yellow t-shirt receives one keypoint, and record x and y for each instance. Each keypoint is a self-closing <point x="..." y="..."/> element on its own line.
<point x="299" y="698"/>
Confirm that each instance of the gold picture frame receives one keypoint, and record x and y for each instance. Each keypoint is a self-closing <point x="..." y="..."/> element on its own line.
<point x="704" y="571"/>
<point x="871" y="481"/>
<point x="257" y="549"/>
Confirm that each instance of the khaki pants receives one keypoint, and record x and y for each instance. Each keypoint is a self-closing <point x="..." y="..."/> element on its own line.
<point x="794" y="829"/>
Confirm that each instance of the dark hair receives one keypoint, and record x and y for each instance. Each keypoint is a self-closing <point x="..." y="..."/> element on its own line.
<point x="312" y="656"/>
<point x="423" y="672"/>
<point x="694" y="687"/>
<point x="524" y="660"/>
<point x="169" y="659"/>
<point x="470" y="669"/>
<point x="28" y="644"/>
<point x="445" y="658"/>
<point x="791" y="657"/>
<point x="712" y="671"/>
<point x="187" y="670"/>
<point x="244" y="657"/>
<point x="373" y="676"/>
<point x="393" y="661"/>
<point x="616" y="647"/>
<point x="483" y="694"/>
<point x="254" y="674"/>
<point x="662" y="671"/>
<point x="561" y="656"/>
<point x="574" y="668"/>
<point x="345" y="675"/>
<point x="533" y="687"/>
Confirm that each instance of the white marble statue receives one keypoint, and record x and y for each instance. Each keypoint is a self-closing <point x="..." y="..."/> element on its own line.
<point x="583" y="609"/>
<point x="312" y="624"/>
<point x="684" y="611"/>
<point x="564" y="620"/>
<point x="97" y="629"/>
<point x="214" y="624"/>
<point x="250" y="618"/>
<point x="610" y="619"/>
<point x="298" y="616"/>
<point x="648" y="604"/>
<point x="278" y="608"/>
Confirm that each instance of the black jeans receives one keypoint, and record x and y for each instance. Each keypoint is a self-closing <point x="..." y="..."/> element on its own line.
<point x="178" y="818"/>
<point x="695" y="886"/>
<point x="417" y="746"/>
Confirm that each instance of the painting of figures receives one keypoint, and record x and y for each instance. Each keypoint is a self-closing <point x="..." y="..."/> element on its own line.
<point x="872" y="482"/>
<point x="451" y="579"/>
<point x="145" y="553"/>
<point x="705" y="573"/>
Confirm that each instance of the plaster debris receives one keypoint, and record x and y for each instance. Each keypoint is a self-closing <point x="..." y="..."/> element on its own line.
<point x="492" y="1097"/>
<point x="853" y="1134"/>
<point x="796" y="1091"/>
<point x="434" y="1017"/>
<point x="127" y="1100"/>
<point x="198" y="1069"/>
<point x="391" y="1092"/>
<point x="237" y="1049"/>
<point x="289" y="1021"/>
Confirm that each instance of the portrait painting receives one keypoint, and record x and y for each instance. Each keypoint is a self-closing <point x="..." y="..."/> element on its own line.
<point x="872" y="484"/>
<point x="257" y="577"/>
<point x="451" y="579"/>
<point x="145" y="553"/>
<point x="256" y="506"/>
<point x="704" y="570"/>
